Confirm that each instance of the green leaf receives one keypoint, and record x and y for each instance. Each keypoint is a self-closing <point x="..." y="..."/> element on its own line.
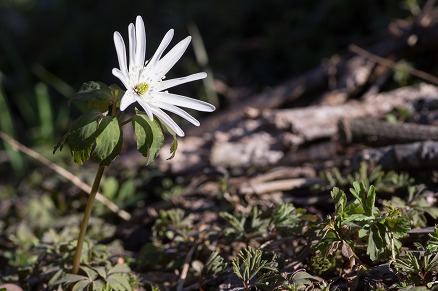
<point x="101" y="271"/>
<point x="109" y="140"/>
<point x="92" y="274"/>
<point x="96" y="95"/>
<point x="81" y="285"/>
<point x="370" y="201"/>
<point x="116" y="92"/>
<point x="340" y="200"/>
<point x="70" y="278"/>
<point x="357" y="218"/>
<point x="82" y="135"/>
<point x="174" y="146"/>
<point x="149" y="134"/>
<point x="119" y="268"/>
<point x="371" y="248"/>
<point x="98" y="285"/>
<point x="119" y="282"/>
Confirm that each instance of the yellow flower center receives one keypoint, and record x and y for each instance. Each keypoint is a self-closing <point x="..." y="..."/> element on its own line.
<point x="141" y="88"/>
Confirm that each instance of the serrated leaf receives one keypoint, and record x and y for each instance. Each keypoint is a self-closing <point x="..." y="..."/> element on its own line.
<point x="98" y="285"/>
<point x="370" y="201"/>
<point x="81" y="285"/>
<point x="119" y="268"/>
<point x="149" y="135"/>
<point x="96" y="95"/>
<point x="119" y="282"/>
<point x="70" y="278"/>
<point x="109" y="140"/>
<point x="340" y="200"/>
<point x="92" y="274"/>
<point x="356" y="218"/>
<point x="101" y="271"/>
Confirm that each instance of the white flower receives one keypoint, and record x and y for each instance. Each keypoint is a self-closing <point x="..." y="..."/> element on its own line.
<point x="144" y="81"/>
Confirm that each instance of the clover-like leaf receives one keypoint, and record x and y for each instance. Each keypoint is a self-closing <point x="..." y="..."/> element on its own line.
<point x="149" y="134"/>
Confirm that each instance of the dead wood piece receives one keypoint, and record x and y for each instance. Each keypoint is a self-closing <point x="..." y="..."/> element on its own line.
<point x="351" y="73"/>
<point x="284" y="173"/>
<point x="279" y="185"/>
<point x="254" y="150"/>
<point x="379" y="133"/>
<point x="322" y="151"/>
<point x="316" y="122"/>
<point x="418" y="155"/>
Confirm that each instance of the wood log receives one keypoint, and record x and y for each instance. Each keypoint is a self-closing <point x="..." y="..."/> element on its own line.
<point x="373" y="132"/>
<point x="346" y="76"/>
<point x="272" y="137"/>
<point x="413" y="156"/>
<point x="316" y="122"/>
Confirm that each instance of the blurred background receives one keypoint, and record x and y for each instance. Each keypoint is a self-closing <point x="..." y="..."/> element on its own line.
<point x="49" y="48"/>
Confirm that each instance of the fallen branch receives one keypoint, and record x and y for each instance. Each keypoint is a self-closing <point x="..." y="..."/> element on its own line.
<point x="374" y="132"/>
<point x="413" y="156"/>
<point x="66" y="174"/>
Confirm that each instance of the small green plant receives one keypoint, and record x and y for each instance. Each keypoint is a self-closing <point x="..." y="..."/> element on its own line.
<point x="256" y="268"/>
<point x="301" y="280"/>
<point x="284" y="219"/>
<point x="418" y="268"/>
<point x="417" y="205"/>
<point x="172" y="225"/>
<point x="116" y="277"/>
<point x="383" y="182"/>
<point x="357" y="225"/>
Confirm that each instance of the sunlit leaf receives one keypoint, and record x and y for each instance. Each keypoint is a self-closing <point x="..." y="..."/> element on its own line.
<point x="81" y="285"/>
<point x="119" y="282"/>
<point x="109" y="140"/>
<point x="119" y="268"/>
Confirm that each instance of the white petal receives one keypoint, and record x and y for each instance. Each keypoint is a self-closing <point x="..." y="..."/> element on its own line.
<point x="169" y="60"/>
<point x="146" y="108"/>
<point x="163" y="85"/>
<point x="122" y="77"/>
<point x="179" y="111"/>
<point x="127" y="100"/>
<point x="140" y="42"/>
<point x="183" y="101"/>
<point x="121" y="52"/>
<point x="169" y="121"/>
<point x="131" y="34"/>
<point x="163" y="45"/>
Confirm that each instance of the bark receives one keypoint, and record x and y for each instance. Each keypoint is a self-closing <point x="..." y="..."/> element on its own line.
<point x="378" y="133"/>
<point x="413" y="156"/>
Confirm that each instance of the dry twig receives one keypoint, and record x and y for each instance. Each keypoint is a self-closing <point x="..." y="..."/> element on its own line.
<point x="66" y="174"/>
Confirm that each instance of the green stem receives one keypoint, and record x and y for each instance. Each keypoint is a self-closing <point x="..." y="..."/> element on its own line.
<point x="86" y="218"/>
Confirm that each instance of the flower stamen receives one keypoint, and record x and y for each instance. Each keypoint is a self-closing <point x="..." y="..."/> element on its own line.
<point x="141" y="88"/>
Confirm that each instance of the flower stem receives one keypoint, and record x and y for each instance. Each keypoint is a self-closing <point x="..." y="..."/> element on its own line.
<point x="86" y="218"/>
